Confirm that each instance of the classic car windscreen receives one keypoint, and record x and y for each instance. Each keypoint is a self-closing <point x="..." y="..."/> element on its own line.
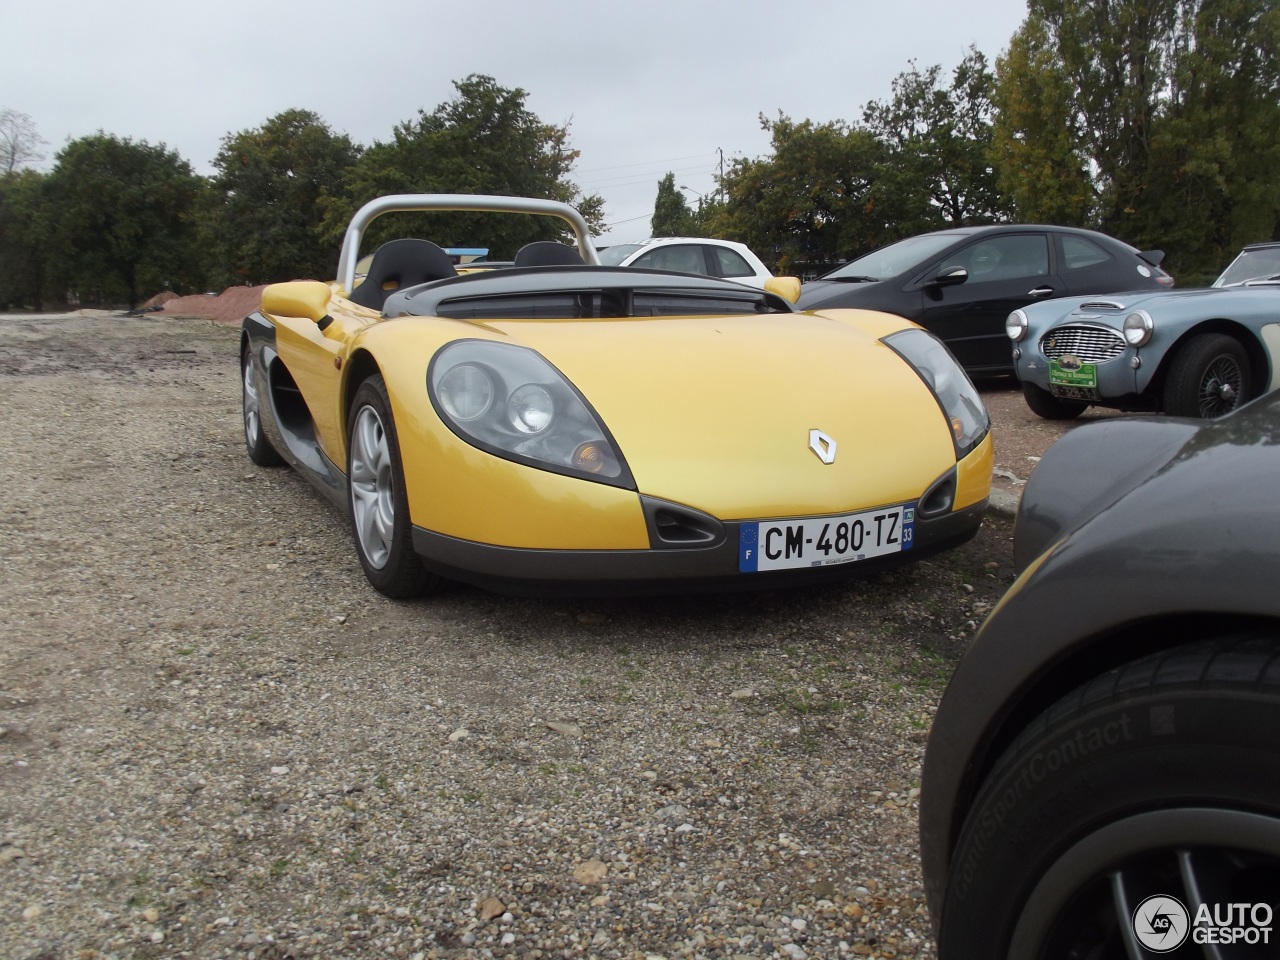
<point x="1251" y="264"/>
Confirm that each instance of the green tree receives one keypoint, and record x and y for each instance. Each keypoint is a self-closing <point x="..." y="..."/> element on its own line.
<point x="938" y="171"/>
<point x="671" y="215"/>
<point x="1038" y="145"/>
<point x="267" y="191"/>
<point x="23" y="239"/>
<point x="1215" y="146"/>
<point x="1155" y="120"/>
<point x="484" y="141"/>
<point x="123" y="216"/>
<point x="811" y="201"/>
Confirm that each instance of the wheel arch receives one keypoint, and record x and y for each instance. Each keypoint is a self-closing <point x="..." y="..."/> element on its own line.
<point x="1259" y="366"/>
<point x="360" y="366"/>
<point x="1096" y="654"/>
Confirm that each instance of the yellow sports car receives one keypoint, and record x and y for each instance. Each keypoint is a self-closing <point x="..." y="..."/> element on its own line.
<point x="562" y="426"/>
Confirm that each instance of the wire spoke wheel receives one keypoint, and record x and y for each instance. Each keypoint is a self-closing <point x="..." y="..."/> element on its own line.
<point x="1221" y="388"/>
<point x="1208" y="377"/>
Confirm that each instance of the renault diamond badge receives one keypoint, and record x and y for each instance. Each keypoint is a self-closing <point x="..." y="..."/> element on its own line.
<point x="823" y="446"/>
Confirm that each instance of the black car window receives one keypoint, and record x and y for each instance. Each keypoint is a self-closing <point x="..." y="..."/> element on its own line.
<point x="894" y="259"/>
<point x="1004" y="258"/>
<point x="731" y="263"/>
<point x="680" y="257"/>
<point x="1078" y="252"/>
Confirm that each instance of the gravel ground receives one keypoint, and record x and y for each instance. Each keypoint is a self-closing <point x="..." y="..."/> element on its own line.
<point x="217" y="741"/>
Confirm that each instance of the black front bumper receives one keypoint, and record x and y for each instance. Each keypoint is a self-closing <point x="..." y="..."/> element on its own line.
<point x="695" y="569"/>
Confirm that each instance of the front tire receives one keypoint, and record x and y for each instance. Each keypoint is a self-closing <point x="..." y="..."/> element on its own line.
<point x="1045" y="404"/>
<point x="1156" y="778"/>
<point x="256" y="443"/>
<point x="1208" y="378"/>
<point x="379" y="506"/>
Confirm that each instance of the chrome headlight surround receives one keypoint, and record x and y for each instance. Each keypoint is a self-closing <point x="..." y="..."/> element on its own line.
<point x="509" y="401"/>
<point x="1015" y="326"/>
<point x="951" y="386"/>
<point x="1138" y="328"/>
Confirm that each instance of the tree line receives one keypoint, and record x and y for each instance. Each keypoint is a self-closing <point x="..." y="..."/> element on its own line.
<point x="1157" y="121"/>
<point x="116" y="221"/>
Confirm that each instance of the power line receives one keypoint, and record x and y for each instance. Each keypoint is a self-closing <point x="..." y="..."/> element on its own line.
<point x="644" y="163"/>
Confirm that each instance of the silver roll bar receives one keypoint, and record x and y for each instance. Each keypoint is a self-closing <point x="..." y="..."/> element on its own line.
<point x="407" y="202"/>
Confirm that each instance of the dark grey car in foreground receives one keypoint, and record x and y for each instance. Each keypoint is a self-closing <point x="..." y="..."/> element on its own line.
<point x="1113" y="733"/>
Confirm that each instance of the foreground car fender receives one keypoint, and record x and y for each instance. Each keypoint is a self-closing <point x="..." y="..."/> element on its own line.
<point x="1170" y="549"/>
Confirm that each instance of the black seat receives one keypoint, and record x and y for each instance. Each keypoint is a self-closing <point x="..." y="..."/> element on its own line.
<point x="398" y="264"/>
<point x="548" y="253"/>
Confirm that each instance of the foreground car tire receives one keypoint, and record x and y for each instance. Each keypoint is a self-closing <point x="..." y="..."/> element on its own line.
<point x="1208" y="378"/>
<point x="1157" y="778"/>
<point x="256" y="443"/>
<point x="379" y="507"/>
<point x="1046" y="405"/>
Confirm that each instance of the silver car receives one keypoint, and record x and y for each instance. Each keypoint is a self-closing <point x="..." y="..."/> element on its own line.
<point x="1189" y="353"/>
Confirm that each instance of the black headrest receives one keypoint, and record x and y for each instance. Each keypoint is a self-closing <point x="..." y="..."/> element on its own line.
<point x="547" y="253"/>
<point x="398" y="264"/>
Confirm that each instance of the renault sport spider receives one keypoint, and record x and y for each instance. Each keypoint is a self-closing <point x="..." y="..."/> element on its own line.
<point x="562" y="426"/>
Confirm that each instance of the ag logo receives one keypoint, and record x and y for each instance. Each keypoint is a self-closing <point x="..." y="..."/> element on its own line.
<point x="823" y="446"/>
<point x="1161" y="923"/>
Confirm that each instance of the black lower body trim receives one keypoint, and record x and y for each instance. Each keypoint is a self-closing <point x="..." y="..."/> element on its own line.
<point x="529" y="572"/>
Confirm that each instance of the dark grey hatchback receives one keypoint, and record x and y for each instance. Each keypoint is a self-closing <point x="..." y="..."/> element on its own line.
<point x="961" y="284"/>
<point x="1102" y="779"/>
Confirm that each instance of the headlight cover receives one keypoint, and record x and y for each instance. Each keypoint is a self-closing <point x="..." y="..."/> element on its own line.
<point x="1138" y="328"/>
<point x="951" y="386"/>
<point x="510" y="402"/>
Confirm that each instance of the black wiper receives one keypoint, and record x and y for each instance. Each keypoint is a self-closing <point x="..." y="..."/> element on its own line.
<point x="848" y="279"/>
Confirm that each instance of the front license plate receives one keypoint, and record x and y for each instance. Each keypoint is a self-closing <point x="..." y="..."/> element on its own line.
<point x="822" y="541"/>
<point x="1073" y="393"/>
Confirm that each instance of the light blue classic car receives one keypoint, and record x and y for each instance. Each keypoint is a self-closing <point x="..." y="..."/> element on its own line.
<point x="1188" y="353"/>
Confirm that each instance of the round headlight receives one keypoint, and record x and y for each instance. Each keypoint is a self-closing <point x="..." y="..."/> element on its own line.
<point x="1138" y="327"/>
<point x="1015" y="325"/>
<point x="530" y="408"/>
<point x="466" y="392"/>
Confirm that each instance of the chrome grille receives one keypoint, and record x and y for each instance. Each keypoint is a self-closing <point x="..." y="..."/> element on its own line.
<point x="1090" y="344"/>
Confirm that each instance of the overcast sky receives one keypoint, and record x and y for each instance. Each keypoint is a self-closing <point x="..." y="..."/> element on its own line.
<point x="647" y="87"/>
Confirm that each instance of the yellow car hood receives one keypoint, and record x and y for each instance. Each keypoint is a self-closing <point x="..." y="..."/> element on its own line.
<point x="716" y="412"/>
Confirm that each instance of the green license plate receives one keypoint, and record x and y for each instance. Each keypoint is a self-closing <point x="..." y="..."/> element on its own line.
<point x="1068" y="371"/>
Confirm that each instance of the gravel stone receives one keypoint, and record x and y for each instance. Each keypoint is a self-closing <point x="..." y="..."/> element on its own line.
<point x="219" y="741"/>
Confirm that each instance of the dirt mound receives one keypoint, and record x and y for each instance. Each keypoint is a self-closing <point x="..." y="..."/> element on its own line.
<point x="159" y="300"/>
<point x="230" y="306"/>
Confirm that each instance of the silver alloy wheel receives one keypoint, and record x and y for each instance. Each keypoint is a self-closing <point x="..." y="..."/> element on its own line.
<point x="372" y="488"/>
<point x="252" y="416"/>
